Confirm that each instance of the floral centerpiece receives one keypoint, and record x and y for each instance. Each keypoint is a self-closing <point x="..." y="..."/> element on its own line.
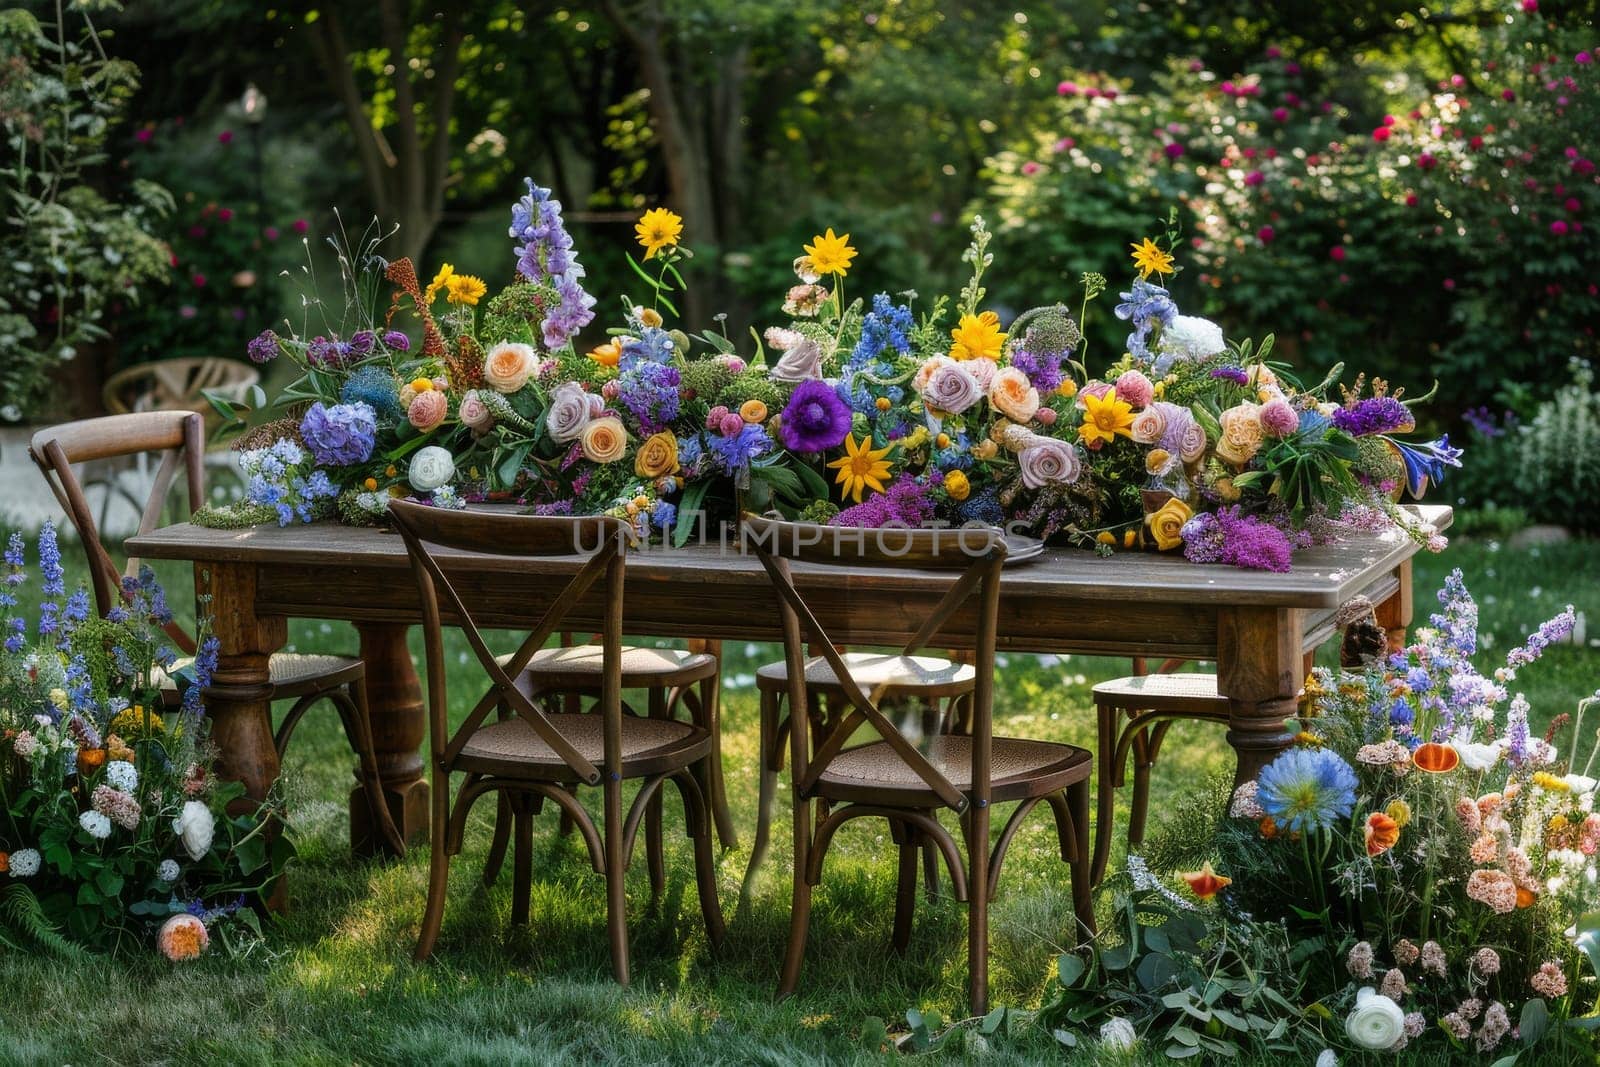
<point x="115" y="830"/>
<point x="865" y="412"/>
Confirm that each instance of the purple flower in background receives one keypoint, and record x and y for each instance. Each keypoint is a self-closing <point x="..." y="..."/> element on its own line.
<point x="396" y="340"/>
<point x="575" y="311"/>
<point x="1375" y="414"/>
<point x="263" y="348"/>
<point x="1483" y="421"/>
<point x="1458" y="622"/>
<point x="815" y="419"/>
<point x="341" y="435"/>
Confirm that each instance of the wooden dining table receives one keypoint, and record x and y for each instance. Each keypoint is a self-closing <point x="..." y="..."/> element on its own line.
<point x="1256" y="626"/>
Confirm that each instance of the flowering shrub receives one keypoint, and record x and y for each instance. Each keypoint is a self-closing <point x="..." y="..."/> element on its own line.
<point x="113" y="825"/>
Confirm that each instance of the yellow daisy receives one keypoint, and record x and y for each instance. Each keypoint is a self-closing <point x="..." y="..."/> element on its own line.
<point x="830" y="254"/>
<point x="1149" y="258"/>
<point x="658" y="228"/>
<point x="465" y="289"/>
<point x="1104" y="417"/>
<point x="977" y="336"/>
<point x="862" y="467"/>
<point x="440" y="280"/>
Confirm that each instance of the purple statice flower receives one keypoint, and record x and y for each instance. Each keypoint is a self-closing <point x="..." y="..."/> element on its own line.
<point x="1375" y="414"/>
<point x="397" y="341"/>
<point x="1144" y="306"/>
<point x="735" y="453"/>
<point x="1236" y="375"/>
<point x="907" y="502"/>
<point x="1517" y="730"/>
<point x="653" y="345"/>
<point x="1229" y="536"/>
<point x="815" y="419"/>
<point x="1457" y="624"/>
<point x="263" y="348"/>
<point x="1556" y="629"/>
<point x="1042" y="368"/>
<point x="341" y="435"/>
<point x="650" y="393"/>
<point x="546" y="256"/>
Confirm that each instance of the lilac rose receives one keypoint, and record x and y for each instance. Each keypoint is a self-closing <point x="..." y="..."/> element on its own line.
<point x="950" y="388"/>
<point x="1048" y="461"/>
<point x="569" y="412"/>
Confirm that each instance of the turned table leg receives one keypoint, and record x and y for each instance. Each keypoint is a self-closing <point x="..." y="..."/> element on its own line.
<point x="1394" y="614"/>
<point x="399" y="724"/>
<point x="238" y="699"/>
<point x="1260" y="670"/>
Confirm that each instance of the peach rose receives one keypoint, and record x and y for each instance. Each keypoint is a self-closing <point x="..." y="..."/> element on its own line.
<point x="1166" y="525"/>
<point x="428" y="410"/>
<point x="604" y="440"/>
<point x="1013" y="395"/>
<point x="1241" y="434"/>
<point x="474" y="414"/>
<point x="1150" y="425"/>
<point x="508" y="366"/>
<point x="657" y="457"/>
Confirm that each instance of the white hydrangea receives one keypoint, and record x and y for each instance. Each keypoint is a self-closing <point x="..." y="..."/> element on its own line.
<point x="195" y="826"/>
<point x="168" y="871"/>
<point x="1185" y="339"/>
<point x="121" y="774"/>
<point x="25" y="863"/>
<point x="1118" y="1035"/>
<point x="96" y="824"/>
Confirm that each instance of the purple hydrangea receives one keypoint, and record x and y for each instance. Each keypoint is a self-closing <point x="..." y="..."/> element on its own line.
<point x="263" y="348"/>
<point x="735" y="453"/>
<point x="650" y="393"/>
<point x="1375" y="414"/>
<point x="341" y="435"/>
<point x="815" y="419"/>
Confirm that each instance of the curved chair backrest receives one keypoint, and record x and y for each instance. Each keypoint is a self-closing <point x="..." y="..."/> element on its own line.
<point x="978" y="552"/>
<point x="178" y="384"/>
<point x="179" y="437"/>
<point x="603" y="539"/>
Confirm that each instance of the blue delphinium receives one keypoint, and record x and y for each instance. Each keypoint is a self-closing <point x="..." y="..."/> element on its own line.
<point x="1307" y="789"/>
<point x="885" y="331"/>
<point x="1144" y="306"/>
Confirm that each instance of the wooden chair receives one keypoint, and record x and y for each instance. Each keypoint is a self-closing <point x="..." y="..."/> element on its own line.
<point x="837" y="779"/>
<point x="528" y="755"/>
<point x="178" y="436"/>
<point x="177" y="384"/>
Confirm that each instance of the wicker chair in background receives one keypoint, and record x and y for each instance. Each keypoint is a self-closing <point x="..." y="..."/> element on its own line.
<point x="908" y="784"/>
<point x="178" y="436"/>
<point x="529" y="756"/>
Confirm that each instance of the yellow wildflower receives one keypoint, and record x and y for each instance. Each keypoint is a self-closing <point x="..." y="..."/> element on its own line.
<point x="1399" y="811"/>
<point x="1550" y="783"/>
<point x="440" y="280"/>
<point x="658" y="228"/>
<point x="1150" y="259"/>
<point x="956" y="484"/>
<point x="1104" y="417"/>
<point x="465" y="289"/>
<point x="830" y="254"/>
<point x="861" y="467"/>
<point x="421" y="385"/>
<point x="977" y="336"/>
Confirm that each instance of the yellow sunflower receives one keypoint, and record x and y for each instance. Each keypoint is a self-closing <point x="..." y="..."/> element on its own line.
<point x="861" y="467"/>
<point x="1149" y="258"/>
<point x="440" y="280"/>
<point x="465" y="289"/>
<point x="1104" y="417"/>
<point x="830" y="254"/>
<point x="658" y="228"/>
<point x="977" y="336"/>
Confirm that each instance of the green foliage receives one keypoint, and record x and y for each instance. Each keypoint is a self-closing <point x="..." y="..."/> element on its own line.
<point x="1557" y="456"/>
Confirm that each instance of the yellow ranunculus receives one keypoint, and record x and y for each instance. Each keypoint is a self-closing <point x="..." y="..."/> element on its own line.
<point x="420" y="385"/>
<point x="1166" y="525"/>
<point x="657" y="457"/>
<point x="956" y="484"/>
<point x="753" y="411"/>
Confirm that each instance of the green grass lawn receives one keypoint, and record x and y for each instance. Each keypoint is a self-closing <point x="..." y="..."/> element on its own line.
<point x="334" y="981"/>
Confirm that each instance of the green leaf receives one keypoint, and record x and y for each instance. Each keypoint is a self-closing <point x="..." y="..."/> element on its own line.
<point x="1182" y="1052"/>
<point x="1065" y="1038"/>
<point x="689" y="511"/>
<point x="815" y="484"/>
<point x="1070" y="968"/>
<point x="994" y="1022"/>
<point x="874" y="1035"/>
<point x="1535" y="1021"/>
<point x="109" y="882"/>
<point x="1155" y="971"/>
<point x="1117" y="958"/>
<point x="251" y="854"/>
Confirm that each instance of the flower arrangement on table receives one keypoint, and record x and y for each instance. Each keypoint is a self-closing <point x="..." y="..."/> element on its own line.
<point x="115" y="831"/>
<point x="864" y="413"/>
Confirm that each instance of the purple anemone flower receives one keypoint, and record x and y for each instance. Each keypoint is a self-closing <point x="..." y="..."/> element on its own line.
<point x="815" y="419"/>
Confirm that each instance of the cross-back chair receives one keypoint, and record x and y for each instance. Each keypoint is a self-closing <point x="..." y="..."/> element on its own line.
<point x="838" y="778"/>
<point x="530" y="755"/>
<point x="179" y="439"/>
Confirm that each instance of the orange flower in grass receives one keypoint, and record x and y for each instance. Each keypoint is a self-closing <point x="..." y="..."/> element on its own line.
<point x="1436" y="758"/>
<point x="182" y="937"/>
<point x="1381" y="833"/>
<point x="1206" y="883"/>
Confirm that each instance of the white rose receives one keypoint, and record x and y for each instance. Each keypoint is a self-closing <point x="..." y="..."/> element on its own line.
<point x="1580" y="783"/>
<point x="1376" y="1022"/>
<point x="1118" y="1035"/>
<point x="96" y="824"/>
<point x="1476" y="755"/>
<point x="120" y="774"/>
<point x="430" y="468"/>
<point x="195" y="827"/>
<point x="1327" y="1058"/>
<point x="25" y="863"/>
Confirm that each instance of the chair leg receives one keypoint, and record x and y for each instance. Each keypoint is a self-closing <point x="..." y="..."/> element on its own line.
<point x="357" y="714"/>
<point x="768" y="782"/>
<point x="978" y="908"/>
<point x="1105" y="791"/>
<point x="438" y="869"/>
<point x="502" y="837"/>
<point x="1143" y="760"/>
<point x="616" y="875"/>
<point x="1082" y="878"/>
<point x="905" y="898"/>
<point x="800" y="908"/>
<point x="521" y="860"/>
<point x="654" y="853"/>
<point x="698" y="816"/>
<point x="711" y="703"/>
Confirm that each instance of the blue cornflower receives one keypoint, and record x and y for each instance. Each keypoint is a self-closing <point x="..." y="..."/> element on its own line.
<point x="735" y="453"/>
<point x="50" y="561"/>
<point x="77" y="609"/>
<point x="1307" y="789"/>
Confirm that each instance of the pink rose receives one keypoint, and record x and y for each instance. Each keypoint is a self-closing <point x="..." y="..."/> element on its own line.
<point x="428" y="409"/>
<point x="948" y="387"/>
<point x="1095" y="389"/>
<point x="715" y="416"/>
<point x="1278" y="418"/>
<point x="1048" y="461"/>
<point x="474" y="414"/>
<point x="569" y="412"/>
<point x="982" y="370"/>
<point x="1149" y="426"/>
<point x="1135" y="388"/>
<point x="731" y="424"/>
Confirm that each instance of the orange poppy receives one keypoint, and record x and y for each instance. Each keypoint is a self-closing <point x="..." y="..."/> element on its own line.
<point x="1206" y="883"/>
<point x="1436" y="758"/>
<point x="1381" y="832"/>
<point x="90" y="760"/>
<point x="1525" y="898"/>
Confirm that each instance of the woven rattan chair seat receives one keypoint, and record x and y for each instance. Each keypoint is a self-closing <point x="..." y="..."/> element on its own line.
<point x="928" y="675"/>
<point x="1162" y="692"/>
<point x="649" y="746"/>
<point x="581" y="666"/>
<point x="293" y="673"/>
<point x="875" y="773"/>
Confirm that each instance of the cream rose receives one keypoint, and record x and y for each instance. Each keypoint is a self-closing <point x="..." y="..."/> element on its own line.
<point x="1376" y="1022"/>
<point x="569" y="412"/>
<point x="1048" y="461"/>
<point x="657" y="457"/>
<point x="1190" y="438"/>
<point x="604" y="440"/>
<point x="195" y="827"/>
<point x="983" y="369"/>
<point x="1241" y="434"/>
<point x="430" y="468"/>
<point x="508" y="366"/>
<point x="474" y="413"/>
<point x="1150" y="425"/>
<point x="1013" y="395"/>
<point x="948" y="387"/>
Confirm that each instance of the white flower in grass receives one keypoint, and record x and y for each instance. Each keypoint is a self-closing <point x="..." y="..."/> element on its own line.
<point x="168" y="871"/>
<point x="1376" y="1022"/>
<point x="25" y="863"/>
<point x="1326" y="1058"/>
<point x="120" y="774"/>
<point x="1118" y="1035"/>
<point x="195" y="827"/>
<point x="95" y="824"/>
